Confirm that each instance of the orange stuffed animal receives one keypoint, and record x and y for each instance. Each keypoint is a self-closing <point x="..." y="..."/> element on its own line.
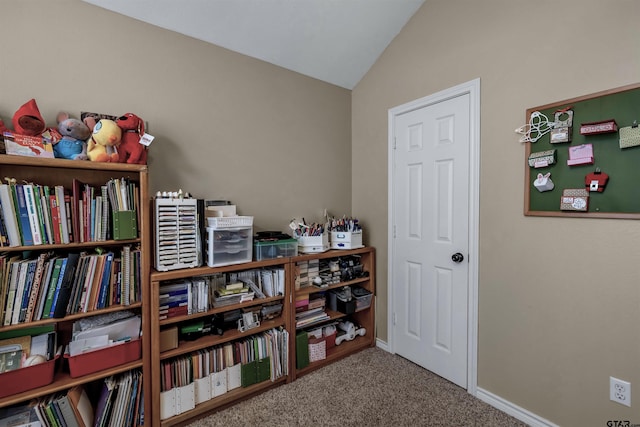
<point x="130" y="150"/>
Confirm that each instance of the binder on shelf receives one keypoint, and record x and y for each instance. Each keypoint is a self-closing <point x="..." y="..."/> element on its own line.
<point x="202" y="389"/>
<point x="218" y="383"/>
<point x="66" y="410"/>
<point x="177" y="400"/>
<point x="302" y="350"/>
<point x="125" y="225"/>
<point x="263" y="369"/>
<point x="249" y="373"/>
<point x="234" y="376"/>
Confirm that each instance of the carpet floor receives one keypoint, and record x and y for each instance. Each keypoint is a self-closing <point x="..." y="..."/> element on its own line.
<point x="369" y="388"/>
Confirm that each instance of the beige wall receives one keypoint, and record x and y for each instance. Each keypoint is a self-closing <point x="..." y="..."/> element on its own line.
<point x="553" y="324"/>
<point x="559" y="299"/>
<point x="227" y="126"/>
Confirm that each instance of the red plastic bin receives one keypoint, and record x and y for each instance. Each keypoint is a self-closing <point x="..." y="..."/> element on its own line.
<point x="23" y="379"/>
<point x="98" y="360"/>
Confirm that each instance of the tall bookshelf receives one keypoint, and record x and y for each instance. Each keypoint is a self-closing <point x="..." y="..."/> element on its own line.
<point x="60" y="172"/>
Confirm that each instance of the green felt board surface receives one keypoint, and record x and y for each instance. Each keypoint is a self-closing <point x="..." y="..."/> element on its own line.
<point x="622" y="192"/>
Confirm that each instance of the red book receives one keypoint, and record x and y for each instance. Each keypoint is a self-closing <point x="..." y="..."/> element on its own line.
<point x="55" y="218"/>
<point x="173" y="312"/>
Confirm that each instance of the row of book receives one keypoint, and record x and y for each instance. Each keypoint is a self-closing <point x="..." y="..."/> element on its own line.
<point x="34" y="214"/>
<point x="52" y="286"/>
<point x="119" y="403"/>
<point x="70" y="408"/>
<point x="194" y="378"/>
<point x="182" y="297"/>
<point x="199" y="294"/>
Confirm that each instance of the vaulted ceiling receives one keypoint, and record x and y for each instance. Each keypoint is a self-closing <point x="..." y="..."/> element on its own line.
<point x="336" y="41"/>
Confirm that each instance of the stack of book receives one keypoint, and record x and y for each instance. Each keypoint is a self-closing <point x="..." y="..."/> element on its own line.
<point x="311" y="317"/>
<point x="232" y="293"/>
<point x="174" y="299"/>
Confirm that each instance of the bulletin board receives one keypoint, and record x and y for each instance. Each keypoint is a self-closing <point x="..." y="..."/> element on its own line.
<point x="621" y="195"/>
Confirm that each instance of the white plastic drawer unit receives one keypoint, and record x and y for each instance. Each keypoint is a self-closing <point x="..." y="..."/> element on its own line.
<point x="227" y="246"/>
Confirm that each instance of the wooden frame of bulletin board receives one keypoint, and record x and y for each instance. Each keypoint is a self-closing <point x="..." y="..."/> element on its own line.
<point x="621" y="196"/>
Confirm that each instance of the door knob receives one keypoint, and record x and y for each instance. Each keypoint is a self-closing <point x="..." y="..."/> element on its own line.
<point x="457" y="257"/>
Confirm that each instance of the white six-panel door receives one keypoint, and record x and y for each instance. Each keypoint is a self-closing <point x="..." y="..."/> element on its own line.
<point x="430" y="211"/>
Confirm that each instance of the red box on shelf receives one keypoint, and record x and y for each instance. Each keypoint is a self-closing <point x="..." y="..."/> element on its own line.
<point x="23" y="379"/>
<point x="98" y="360"/>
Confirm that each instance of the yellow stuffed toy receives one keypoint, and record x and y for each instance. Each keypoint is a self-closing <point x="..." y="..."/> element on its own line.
<point x="103" y="143"/>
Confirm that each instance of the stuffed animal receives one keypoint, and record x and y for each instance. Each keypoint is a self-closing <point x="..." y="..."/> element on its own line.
<point x="130" y="149"/>
<point x="27" y="120"/>
<point x="102" y="146"/>
<point x="73" y="144"/>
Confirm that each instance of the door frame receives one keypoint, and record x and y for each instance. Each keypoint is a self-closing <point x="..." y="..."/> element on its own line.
<point x="473" y="89"/>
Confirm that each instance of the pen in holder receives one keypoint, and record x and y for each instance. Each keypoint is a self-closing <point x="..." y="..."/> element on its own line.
<point x="125" y="226"/>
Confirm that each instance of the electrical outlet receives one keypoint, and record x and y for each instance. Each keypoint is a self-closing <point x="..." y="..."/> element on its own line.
<point x="620" y="391"/>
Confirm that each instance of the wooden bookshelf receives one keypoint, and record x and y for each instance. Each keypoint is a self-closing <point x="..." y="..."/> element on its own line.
<point x="60" y="172"/>
<point x="364" y="318"/>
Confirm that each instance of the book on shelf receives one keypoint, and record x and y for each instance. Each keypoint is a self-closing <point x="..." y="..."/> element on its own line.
<point x="54" y="286"/>
<point x="57" y="287"/>
<point x="56" y="225"/>
<point x="13" y="307"/>
<point x="66" y="411"/>
<point x="11" y="286"/>
<point x="35" y="217"/>
<point x="37" y="286"/>
<point x="23" y="215"/>
<point x="78" y="283"/>
<point x="44" y="288"/>
<point x="105" y="282"/>
<point x="9" y="215"/>
<point x="94" y="288"/>
<point x="4" y="236"/>
<point x="26" y="292"/>
<point x="64" y="218"/>
<point x="45" y="211"/>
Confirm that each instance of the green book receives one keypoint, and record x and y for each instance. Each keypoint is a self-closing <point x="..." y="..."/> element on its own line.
<point x="37" y="189"/>
<point x="302" y="350"/>
<point x="50" y="413"/>
<point x="249" y="374"/>
<point x="264" y="369"/>
<point x="46" y="311"/>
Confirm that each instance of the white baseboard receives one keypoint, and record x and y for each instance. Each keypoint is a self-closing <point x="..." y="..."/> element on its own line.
<point x="382" y="345"/>
<point x="514" y="410"/>
<point x="497" y="402"/>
